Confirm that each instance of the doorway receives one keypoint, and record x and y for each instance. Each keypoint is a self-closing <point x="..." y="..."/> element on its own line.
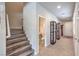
<point x="61" y="30"/>
<point x="41" y="32"/>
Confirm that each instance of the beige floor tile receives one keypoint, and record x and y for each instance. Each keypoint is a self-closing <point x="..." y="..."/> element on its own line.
<point x="63" y="47"/>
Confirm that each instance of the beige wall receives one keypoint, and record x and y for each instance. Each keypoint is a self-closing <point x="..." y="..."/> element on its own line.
<point x="14" y="11"/>
<point x="12" y="7"/>
<point x="15" y="20"/>
<point x="68" y="28"/>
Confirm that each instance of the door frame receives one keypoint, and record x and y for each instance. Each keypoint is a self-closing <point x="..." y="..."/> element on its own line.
<point x="75" y="38"/>
<point x="39" y="29"/>
<point x="61" y="30"/>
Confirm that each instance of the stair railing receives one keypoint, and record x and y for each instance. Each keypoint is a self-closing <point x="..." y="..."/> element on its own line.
<point x="7" y="27"/>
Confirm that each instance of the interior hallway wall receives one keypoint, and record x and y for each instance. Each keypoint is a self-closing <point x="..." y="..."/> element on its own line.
<point x="29" y="24"/>
<point x="68" y="28"/>
<point x="41" y="11"/>
<point x="31" y="13"/>
<point x="15" y="14"/>
<point x="2" y="30"/>
<point x="15" y="20"/>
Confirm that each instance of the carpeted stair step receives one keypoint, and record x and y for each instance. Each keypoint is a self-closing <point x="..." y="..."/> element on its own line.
<point x="16" y="31"/>
<point x="16" y="40"/>
<point x="27" y="53"/>
<point x="20" y="50"/>
<point x="13" y="47"/>
<point x="18" y="44"/>
<point x="16" y="36"/>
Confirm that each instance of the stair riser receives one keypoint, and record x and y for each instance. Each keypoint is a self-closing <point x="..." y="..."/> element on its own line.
<point x="16" y="31"/>
<point x="11" y="49"/>
<point x="22" y="51"/>
<point x="13" y="33"/>
<point x="30" y="54"/>
<point x="9" y="42"/>
<point x="16" y="36"/>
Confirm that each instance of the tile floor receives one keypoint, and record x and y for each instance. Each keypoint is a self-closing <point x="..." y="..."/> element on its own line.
<point x="63" y="47"/>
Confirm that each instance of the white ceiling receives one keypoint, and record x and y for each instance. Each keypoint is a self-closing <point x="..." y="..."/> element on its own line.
<point x="64" y="13"/>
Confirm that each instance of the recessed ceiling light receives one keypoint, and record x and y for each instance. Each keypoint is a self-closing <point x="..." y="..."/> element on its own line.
<point x="58" y="6"/>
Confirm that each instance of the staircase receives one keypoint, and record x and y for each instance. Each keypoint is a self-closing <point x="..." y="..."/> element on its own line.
<point x="18" y="44"/>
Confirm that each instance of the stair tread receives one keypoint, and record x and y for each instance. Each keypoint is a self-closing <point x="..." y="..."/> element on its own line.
<point x="19" y="49"/>
<point x="16" y="31"/>
<point x="16" y="40"/>
<point x="26" y="53"/>
<point x="16" y="36"/>
<point x="19" y="43"/>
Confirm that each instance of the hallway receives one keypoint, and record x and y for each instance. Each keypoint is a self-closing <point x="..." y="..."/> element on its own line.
<point x="63" y="47"/>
